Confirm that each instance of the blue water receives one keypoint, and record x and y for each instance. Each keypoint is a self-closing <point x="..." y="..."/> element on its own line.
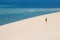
<point x="9" y="15"/>
<point x="31" y="3"/>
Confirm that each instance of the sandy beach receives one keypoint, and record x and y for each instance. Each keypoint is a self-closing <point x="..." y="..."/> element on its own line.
<point x="34" y="28"/>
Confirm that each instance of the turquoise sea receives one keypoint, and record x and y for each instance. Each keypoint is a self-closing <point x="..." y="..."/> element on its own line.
<point x="9" y="15"/>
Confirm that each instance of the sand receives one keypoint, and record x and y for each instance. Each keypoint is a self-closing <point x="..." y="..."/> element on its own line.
<point x="33" y="28"/>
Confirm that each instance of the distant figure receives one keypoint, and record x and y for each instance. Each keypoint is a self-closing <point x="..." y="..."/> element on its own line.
<point x="45" y="19"/>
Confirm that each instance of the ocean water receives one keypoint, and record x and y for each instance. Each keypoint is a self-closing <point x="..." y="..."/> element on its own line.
<point x="9" y="15"/>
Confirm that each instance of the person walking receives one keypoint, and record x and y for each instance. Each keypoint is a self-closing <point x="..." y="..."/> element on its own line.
<point x="46" y="20"/>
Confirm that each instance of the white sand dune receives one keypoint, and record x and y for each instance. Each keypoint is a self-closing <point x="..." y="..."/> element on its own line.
<point x="33" y="28"/>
